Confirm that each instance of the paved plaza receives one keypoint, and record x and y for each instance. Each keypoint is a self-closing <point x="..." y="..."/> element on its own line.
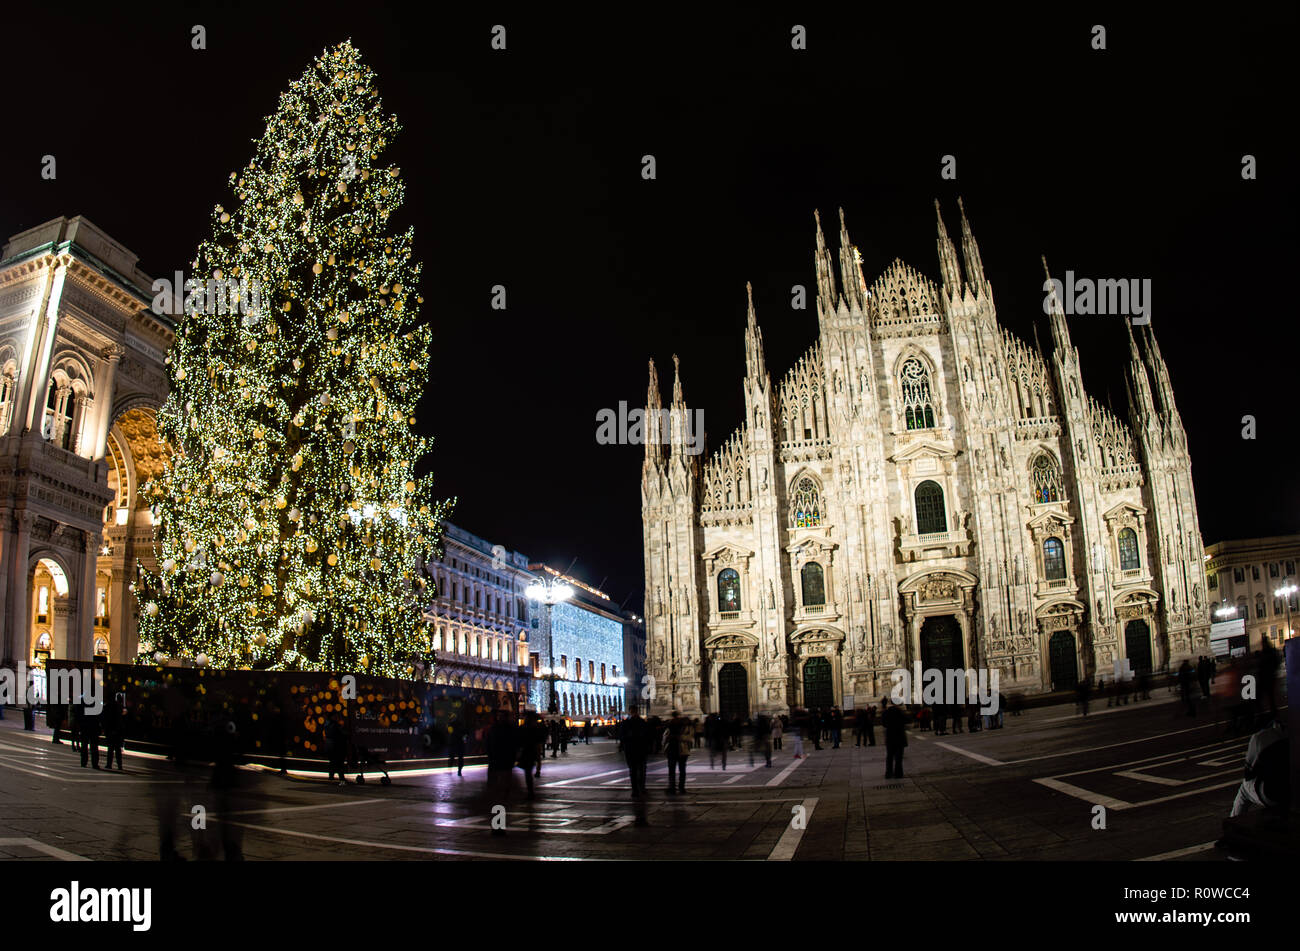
<point x="1027" y="791"/>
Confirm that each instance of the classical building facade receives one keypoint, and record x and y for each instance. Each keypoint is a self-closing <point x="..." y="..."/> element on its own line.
<point x="581" y="641"/>
<point x="81" y="378"/>
<point x="479" y="621"/>
<point x="920" y="486"/>
<point x="1245" y="576"/>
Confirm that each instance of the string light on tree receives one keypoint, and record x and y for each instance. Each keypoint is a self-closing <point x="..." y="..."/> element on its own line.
<point x="293" y="465"/>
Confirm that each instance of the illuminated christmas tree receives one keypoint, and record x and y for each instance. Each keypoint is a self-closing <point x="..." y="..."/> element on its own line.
<point x="290" y="520"/>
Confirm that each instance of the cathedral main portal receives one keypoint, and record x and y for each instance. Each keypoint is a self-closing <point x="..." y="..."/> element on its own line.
<point x="941" y="643"/>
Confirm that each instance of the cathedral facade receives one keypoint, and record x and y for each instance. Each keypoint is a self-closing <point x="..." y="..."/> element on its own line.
<point x="921" y="486"/>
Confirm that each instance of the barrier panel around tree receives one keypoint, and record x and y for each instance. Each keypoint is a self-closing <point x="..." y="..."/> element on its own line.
<point x="279" y="713"/>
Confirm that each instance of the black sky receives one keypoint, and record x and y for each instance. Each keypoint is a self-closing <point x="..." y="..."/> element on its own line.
<point x="524" y="170"/>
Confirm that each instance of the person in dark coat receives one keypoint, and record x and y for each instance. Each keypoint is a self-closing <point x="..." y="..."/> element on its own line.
<point x="531" y="737"/>
<point x="859" y="726"/>
<point x="837" y="727"/>
<point x="114" y="729"/>
<point x="1185" y="686"/>
<point x="502" y="754"/>
<point x="636" y="750"/>
<point x="88" y="727"/>
<point x="871" y="725"/>
<point x="679" y="740"/>
<point x="336" y="739"/>
<point x="456" y="745"/>
<point x="895" y="724"/>
<point x="815" y="727"/>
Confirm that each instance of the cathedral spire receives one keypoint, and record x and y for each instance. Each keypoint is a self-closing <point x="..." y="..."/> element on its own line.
<point x="947" y="257"/>
<point x="1144" y="408"/>
<point x="851" y="279"/>
<point x="828" y="298"/>
<point x="654" y="451"/>
<point x="1164" y="389"/>
<point x="755" y="364"/>
<point x="1055" y="315"/>
<point x="971" y="252"/>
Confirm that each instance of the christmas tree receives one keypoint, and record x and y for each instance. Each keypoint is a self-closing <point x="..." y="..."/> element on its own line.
<point x="290" y="520"/>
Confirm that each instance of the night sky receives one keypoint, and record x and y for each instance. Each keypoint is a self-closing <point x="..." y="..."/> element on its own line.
<point x="524" y="169"/>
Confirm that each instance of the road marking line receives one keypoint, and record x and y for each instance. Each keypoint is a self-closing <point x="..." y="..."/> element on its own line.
<point x="407" y="848"/>
<point x="580" y="779"/>
<point x="780" y="777"/>
<point x="49" y="850"/>
<point x="975" y="756"/>
<point x="1143" y="777"/>
<point x="57" y="778"/>
<point x="790" y="838"/>
<point x="1093" y="749"/>
<point x="1079" y="793"/>
<point x="327" y="805"/>
<point x="1178" y="853"/>
<point x="1151" y="761"/>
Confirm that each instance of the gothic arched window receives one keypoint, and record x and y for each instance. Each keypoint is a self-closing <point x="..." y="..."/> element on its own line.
<point x="814" y="585"/>
<point x="930" y="514"/>
<point x="918" y="403"/>
<point x="1054" y="559"/>
<point x="7" y="383"/>
<point x="807" y="506"/>
<point x="728" y="590"/>
<point x="58" y="414"/>
<point x="1046" y="479"/>
<point x="1128" y="550"/>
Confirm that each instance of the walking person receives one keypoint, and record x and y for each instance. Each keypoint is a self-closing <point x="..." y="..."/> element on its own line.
<point x="88" y="725"/>
<point x="336" y="741"/>
<point x="1185" y="686"/>
<point x="940" y="718"/>
<point x="529" y="749"/>
<point x="815" y="727"/>
<point x="800" y="725"/>
<point x="956" y="712"/>
<point x="720" y="742"/>
<point x="871" y="725"/>
<point x="763" y="735"/>
<point x="678" y="742"/>
<point x="455" y="746"/>
<point x="859" y="726"/>
<point x="114" y="730"/>
<point x="502" y="753"/>
<point x="1267" y="782"/>
<point x="837" y="727"/>
<point x="636" y="750"/>
<point x="895" y="724"/>
<point x="1082" y="691"/>
<point x="778" y="727"/>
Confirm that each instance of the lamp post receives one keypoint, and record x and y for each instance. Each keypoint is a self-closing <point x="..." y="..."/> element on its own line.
<point x="550" y="593"/>
<point x="1285" y="593"/>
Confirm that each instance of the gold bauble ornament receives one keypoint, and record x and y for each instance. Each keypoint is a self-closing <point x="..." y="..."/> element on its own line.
<point x="333" y="559"/>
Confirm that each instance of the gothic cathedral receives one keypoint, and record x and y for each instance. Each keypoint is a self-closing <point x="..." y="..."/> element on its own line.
<point x="921" y="486"/>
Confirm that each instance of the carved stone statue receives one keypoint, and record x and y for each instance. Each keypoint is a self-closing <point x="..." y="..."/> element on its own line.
<point x="771" y="597"/>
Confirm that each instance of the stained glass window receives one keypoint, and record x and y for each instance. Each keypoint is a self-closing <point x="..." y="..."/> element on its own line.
<point x="918" y="404"/>
<point x="1128" y="549"/>
<point x="930" y="514"/>
<point x="814" y="585"/>
<point x="729" y="590"/>
<point x="1054" y="559"/>
<point x="807" y="504"/>
<point x="1046" y="480"/>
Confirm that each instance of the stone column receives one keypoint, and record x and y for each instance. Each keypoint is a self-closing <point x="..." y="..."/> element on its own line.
<point x="17" y="624"/>
<point x="104" y="397"/>
<point x="82" y="633"/>
<point x="36" y="369"/>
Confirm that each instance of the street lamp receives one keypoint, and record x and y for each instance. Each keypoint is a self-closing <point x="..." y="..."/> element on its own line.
<point x="550" y="593"/>
<point x="1285" y="593"/>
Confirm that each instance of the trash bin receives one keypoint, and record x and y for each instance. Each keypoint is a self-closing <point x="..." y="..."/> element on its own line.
<point x="29" y="718"/>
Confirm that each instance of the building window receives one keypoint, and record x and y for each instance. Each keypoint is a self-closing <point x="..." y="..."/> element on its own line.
<point x="1046" y="480"/>
<point x="591" y="671"/>
<point x="536" y="660"/>
<point x="729" y="590"/>
<point x="1272" y="570"/>
<point x="1214" y="582"/>
<point x="6" y="398"/>
<point x="918" y="406"/>
<point x="1294" y="602"/>
<point x="807" y="505"/>
<point x="614" y="673"/>
<point x="1128" y="550"/>
<point x="1243" y="609"/>
<point x="1239" y="575"/>
<point x="577" y="668"/>
<point x="814" y="585"/>
<point x="1290" y="568"/>
<point x="1277" y="606"/>
<point x="43" y="605"/>
<point x="1260" y="610"/>
<point x="564" y="663"/>
<point x="1254" y="572"/>
<point x="58" y="415"/>
<point x="931" y="517"/>
<point x="602" y="674"/>
<point x="1054" y="559"/>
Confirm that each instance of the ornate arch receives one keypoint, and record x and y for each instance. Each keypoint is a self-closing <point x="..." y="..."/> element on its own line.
<point x="800" y="497"/>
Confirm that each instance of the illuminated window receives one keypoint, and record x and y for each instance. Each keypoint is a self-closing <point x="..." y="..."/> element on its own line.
<point x="728" y="590"/>
<point x="1054" y="559"/>
<point x="602" y="674"/>
<point x="1046" y="480"/>
<point x="43" y="604"/>
<point x="1128" y="550"/>
<point x="931" y="516"/>
<point x="591" y="670"/>
<point x="814" y="584"/>
<point x="918" y="405"/>
<point x="807" y="506"/>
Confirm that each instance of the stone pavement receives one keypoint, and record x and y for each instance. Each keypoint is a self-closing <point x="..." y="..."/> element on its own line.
<point x="1028" y="791"/>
